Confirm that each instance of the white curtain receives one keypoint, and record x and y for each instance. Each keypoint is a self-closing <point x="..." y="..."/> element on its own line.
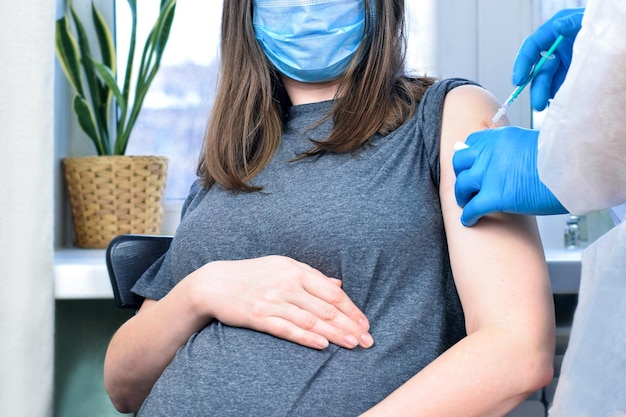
<point x="26" y="207"/>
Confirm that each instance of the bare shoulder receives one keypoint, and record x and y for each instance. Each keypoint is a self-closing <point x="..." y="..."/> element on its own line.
<point x="470" y="106"/>
<point x="467" y="109"/>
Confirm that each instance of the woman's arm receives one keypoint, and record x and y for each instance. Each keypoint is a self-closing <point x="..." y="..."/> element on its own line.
<point x="502" y="280"/>
<point x="273" y="294"/>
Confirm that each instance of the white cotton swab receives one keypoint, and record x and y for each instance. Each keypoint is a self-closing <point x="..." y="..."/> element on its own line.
<point x="460" y="145"/>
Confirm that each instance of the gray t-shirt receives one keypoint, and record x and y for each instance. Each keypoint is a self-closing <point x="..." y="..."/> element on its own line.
<point x="372" y="219"/>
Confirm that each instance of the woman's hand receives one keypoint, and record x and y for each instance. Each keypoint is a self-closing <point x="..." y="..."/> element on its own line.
<point x="274" y="295"/>
<point x="282" y="297"/>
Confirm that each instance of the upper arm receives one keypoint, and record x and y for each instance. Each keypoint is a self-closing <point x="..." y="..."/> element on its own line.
<point x="498" y="265"/>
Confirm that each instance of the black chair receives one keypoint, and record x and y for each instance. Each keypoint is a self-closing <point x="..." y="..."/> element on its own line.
<point x="127" y="258"/>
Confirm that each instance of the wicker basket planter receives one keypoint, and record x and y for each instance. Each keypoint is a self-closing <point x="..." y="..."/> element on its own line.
<point x="114" y="195"/>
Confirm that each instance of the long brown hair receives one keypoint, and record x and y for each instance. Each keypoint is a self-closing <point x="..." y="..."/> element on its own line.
<point x="246" y="122"/>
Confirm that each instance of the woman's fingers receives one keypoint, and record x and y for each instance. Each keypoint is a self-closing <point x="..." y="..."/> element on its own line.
<point x="316" y="305"/>
<point x="336" y="311"/>
<point x="287" y="299"/>
<point x="329" y="322"/>
<point x="338" y="318"/>
<point x="317" y="284"/>
<point x="305" y="328"/>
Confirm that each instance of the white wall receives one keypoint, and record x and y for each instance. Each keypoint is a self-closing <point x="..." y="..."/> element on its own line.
<point x="478" y="39"/>
<point x="26" y="142"/>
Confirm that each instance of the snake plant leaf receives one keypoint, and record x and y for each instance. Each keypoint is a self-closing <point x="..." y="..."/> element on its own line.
<point x="105" y="39"/>
<point x="87" y="122"/>
<point x="67" y="52"/>
<point x="108" y="78"/>
<point x="157" y="39"/>
<point x="149" y="65"/>
<point x="132" y="4"/>
<point x="107" y="52"/>
<point x="96" y="90"/>
<point x="168" y="7"/>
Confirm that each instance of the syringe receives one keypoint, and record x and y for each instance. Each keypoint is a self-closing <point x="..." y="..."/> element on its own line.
<point x="545" y="55"/>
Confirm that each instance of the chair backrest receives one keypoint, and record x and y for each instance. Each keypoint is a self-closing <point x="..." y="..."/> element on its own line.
<point x="127" y="258"/>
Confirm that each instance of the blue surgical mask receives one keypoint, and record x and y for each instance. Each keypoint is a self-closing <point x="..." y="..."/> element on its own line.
<point x="309" y="40"/>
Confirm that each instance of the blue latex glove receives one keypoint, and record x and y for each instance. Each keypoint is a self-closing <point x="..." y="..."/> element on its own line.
<point x="567" y="22"/>
<point x="498" y="173"/>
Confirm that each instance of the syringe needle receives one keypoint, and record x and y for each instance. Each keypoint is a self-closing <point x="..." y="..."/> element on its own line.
<point x="545" y="55"/>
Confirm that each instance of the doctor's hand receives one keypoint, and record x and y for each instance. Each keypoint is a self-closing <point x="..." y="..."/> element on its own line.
<point x="567" y="22"/>
<point x="498" y="173"/>
<point x="282" y="297"/>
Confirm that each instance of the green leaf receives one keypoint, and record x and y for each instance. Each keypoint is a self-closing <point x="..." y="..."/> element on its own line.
<point x="107" y="51"/>
<point x="68" y="55"/>
<point x="105" y="39"/>
<point x="155" y="43"/>
<point x="149" y="65"/>
<point x="132" y="4"/>
<point x="99" y="102"/>
<point x="166" y="18"/>
<point x="87" y="122"/>
<point x="108" y="78"/>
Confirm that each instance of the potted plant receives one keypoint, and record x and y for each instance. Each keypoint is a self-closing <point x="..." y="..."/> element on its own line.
<point x="111" y="194"/>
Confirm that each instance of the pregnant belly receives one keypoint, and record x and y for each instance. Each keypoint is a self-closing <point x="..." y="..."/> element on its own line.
<point x="224" y="371"/>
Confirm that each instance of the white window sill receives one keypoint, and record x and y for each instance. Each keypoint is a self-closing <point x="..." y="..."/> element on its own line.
<point x="81" y="274"/>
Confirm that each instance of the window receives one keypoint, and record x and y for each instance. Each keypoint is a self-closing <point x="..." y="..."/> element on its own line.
<point x="173" y="119"/>
<point x="176" y="109"/>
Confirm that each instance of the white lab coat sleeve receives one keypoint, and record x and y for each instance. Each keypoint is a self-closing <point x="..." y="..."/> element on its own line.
<point x="582" y="143"/>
